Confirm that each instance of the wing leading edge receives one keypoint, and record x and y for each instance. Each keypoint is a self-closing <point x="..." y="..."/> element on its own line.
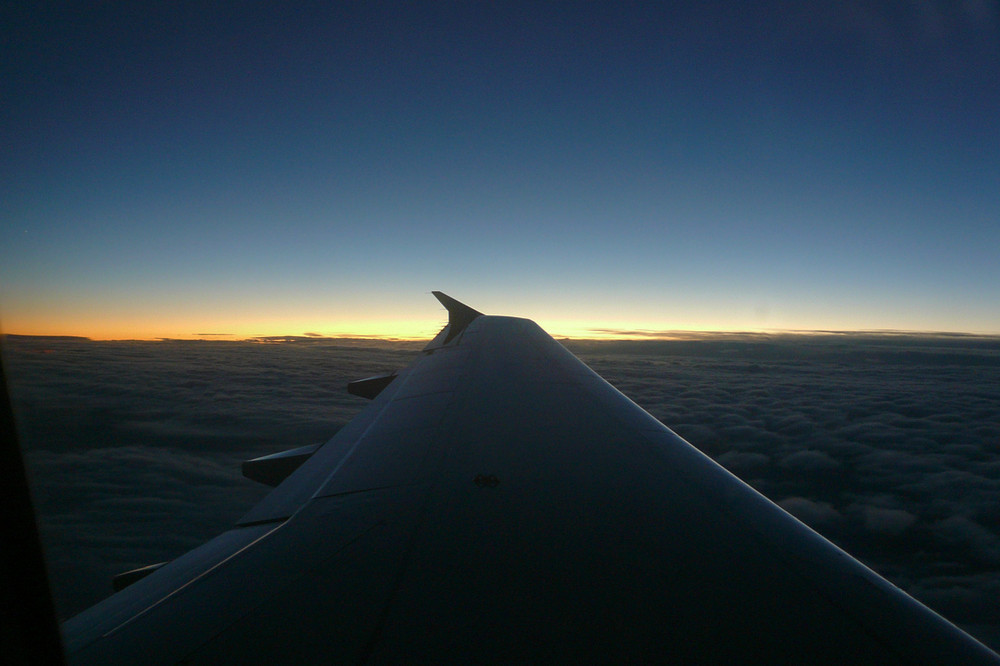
<point x="498" y="501"/>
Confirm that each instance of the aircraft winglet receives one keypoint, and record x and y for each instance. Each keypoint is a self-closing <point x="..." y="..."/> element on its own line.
<point x="460" y="315"/>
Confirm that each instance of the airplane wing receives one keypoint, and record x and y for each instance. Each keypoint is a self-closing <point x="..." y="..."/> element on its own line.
<point x="499" y="502"/>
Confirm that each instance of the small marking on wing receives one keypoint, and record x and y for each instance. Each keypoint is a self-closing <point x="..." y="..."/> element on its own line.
<point x="486" y="480"/>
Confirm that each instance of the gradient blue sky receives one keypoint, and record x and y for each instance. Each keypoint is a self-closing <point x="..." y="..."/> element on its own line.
<point x="171" y="169"/>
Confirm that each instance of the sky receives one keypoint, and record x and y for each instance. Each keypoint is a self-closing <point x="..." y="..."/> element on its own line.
<point x="195" y="169"/>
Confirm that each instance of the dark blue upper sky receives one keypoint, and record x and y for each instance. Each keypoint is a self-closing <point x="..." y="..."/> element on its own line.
<point x="170" y="168"/>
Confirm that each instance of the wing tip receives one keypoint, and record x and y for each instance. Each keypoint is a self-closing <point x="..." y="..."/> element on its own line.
<point x="460" y="315"/>
<point x="455" y="307"/>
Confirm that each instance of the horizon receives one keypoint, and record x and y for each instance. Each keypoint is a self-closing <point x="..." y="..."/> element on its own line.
<point x="171" y="169"/>
<point x="600" y="335"/>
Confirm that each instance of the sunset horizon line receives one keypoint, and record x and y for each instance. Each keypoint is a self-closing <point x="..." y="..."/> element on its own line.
<point x="598" y="335"/>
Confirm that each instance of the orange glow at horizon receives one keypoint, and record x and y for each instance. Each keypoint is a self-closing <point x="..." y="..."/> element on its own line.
<point x="202" y="328"/>
<point x="414" y="330"/>
<point x="381" y="327"/>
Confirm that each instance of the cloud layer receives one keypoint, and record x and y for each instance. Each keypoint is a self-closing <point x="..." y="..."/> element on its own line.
<point x="887" y="445"/>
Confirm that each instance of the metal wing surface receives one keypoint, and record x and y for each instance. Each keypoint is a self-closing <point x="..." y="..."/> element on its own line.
<point x="499" y="502"/>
